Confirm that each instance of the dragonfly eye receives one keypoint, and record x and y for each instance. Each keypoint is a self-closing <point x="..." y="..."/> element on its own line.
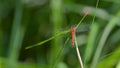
<point x="72" y="29"/>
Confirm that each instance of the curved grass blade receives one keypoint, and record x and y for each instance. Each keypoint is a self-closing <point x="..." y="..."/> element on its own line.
<point x="59" y="34"/>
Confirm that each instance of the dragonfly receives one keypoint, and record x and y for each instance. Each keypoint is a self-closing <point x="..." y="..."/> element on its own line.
<point x="72" y="29"/>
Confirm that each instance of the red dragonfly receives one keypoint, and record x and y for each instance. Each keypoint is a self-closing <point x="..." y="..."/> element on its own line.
<point x="72" y="29"/>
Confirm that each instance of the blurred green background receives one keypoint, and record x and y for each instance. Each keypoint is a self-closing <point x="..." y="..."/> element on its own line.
<point x="27" y="22"/>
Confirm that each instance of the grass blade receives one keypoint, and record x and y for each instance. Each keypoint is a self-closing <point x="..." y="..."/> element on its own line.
<point x="105" y="34"/>
<point x="51" y="38"/>
<point x="16" y="35"/>
<point x="91" y="42"/>
<point x="110" y="61"/>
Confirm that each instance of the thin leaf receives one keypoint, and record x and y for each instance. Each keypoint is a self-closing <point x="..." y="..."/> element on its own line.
<point x="105" y="35"/>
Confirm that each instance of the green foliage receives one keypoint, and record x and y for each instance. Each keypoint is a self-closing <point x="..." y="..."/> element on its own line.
<point x="36" y="33"/>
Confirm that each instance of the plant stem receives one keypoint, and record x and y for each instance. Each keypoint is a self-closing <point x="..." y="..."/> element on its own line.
<point x="79" y="57"/>
<point x="78" y="53"/>
<point x="95" y="11"/>
<point x="81" y="21"/>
